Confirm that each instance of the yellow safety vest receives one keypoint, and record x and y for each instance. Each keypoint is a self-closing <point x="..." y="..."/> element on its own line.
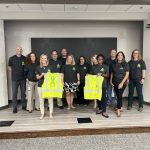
<point x="52" y="86"/>
<point x="93" y="87"/>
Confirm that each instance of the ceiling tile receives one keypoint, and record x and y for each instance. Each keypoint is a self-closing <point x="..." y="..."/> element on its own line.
<point x="30" y="7"/>
<point x="118" y="8"/>
<point x="75" y="8"/>
<point x="9" y="7"/>
<point x="97" y="8"/>
<point x="53" y="7"/>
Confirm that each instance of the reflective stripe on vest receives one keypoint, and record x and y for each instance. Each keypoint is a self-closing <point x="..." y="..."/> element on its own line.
<point x="93" y="87"/>
<point x="52" y="85"/>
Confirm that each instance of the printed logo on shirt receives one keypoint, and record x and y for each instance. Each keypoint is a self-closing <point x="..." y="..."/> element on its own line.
<point x="58" y="66"/>
<point x="139" y="65"/>
<point x="73" y="68"/>
<point x="23" y="63"/>
<point x="84" y="68"/>
<point x="121" y="68"/>
<point x="102" y="69"/>
<point x="48" y="70"/>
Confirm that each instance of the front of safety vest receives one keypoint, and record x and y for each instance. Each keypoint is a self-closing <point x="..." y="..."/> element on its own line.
<point x="52" y="86"/>
<point x="93" y="87"/>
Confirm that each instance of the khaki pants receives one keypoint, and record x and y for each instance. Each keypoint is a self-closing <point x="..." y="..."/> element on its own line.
<point x="32" y="93"/>
<point x="50" y="101"/>
<point x="59" y="102"/>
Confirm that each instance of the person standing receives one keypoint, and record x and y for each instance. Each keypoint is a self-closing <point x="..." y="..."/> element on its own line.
<point x="101" y="69"/>
<point x="63" y="56"/>
<point x="32" y="84"/>
<point x="71" y="80"/>
<point x="136" y="78"/>
<point x="83" y="69"/>
<point x="119" y="77"/>
<point x="16" y="66"/>
<point x="109" y="61"/>
<point x="43" y="68"/>
<point x="93" y="63"/>
<point x="56" y="66"/>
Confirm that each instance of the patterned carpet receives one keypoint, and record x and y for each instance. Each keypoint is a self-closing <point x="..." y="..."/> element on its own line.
<point x="94" y="142"/>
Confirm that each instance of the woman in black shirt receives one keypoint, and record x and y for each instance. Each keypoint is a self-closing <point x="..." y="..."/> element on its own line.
<point x="32" y="91"/>
<point x="83" y="69"/>
<point x="119" y="76"/>
<point x="136" y="78"/>
<point x="71" y="79"/>
<point x="43" y="68"/>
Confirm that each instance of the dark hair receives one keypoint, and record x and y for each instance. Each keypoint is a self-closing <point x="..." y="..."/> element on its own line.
<point x="83" y="58"/>
<point x="100" y="55"/>
<point x="54" y="51"/>
<point x="28" y="58"/>
<point x="120" y="52"/>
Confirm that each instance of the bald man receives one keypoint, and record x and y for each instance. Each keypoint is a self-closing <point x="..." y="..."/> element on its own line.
<point x="16" y="66"/>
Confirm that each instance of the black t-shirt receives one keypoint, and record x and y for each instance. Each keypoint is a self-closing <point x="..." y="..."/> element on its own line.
<point x="104" y="69"/>
<point x="136" y="68"/>
<point x="119" y="71"/>
<point x="83" y="70"/>
<point x="62" y="60"/>
<point x="70" y="73"/>
<point x="40" y="70"/>
<point x="30" y="71"/>
<point x="56" y="66"/>
<point x="17" y="64"/>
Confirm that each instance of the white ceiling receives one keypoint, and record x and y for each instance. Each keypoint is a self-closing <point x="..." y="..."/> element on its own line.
<point x="72" y="8"/>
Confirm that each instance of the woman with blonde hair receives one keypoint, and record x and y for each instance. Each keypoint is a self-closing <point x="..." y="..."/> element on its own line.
<point x="136" y="78"/>
<point x="94" y="62"/>
<point x="71" y="79"/>
<point x="43" y="68"/>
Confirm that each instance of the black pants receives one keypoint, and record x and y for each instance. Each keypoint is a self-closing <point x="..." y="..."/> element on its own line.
<point x="119" y="93"/>
<point x="138" y="85"/>
<point x="103" y="103"/>
<point x="80" y="95"/>
<point x="15" y="85"/>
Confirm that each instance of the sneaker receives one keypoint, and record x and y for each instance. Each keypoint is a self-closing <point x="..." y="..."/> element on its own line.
<point x="15" y="110"/>
<point x="140" y="109"/>
<point x="129" y="108"/>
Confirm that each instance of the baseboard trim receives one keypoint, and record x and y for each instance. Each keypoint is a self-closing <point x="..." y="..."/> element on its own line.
<point x="4" y="107"/>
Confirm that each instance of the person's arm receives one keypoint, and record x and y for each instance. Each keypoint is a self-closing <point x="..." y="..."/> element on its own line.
<point x="38" y="76"/>
<point x="111" y="77"/>
<point x="143" y="76"/>
<point x="124" y="80"/>
<point x="10" y="64"/>
<point x="106" y="74"/>
<point x="78" y="78"/>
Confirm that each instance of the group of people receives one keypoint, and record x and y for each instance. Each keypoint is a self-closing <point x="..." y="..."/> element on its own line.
<point x="117" y="73"/>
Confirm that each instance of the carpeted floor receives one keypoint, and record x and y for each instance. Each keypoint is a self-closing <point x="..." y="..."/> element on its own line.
<point x="95" y="142"/>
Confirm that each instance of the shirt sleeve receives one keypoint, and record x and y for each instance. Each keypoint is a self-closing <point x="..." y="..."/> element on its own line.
<point x="127" y="67"/>
<point x="143" y="65"/>
<point x="10" y="62"/>
<point x="37" y="70"/>
<point x="77" y="69"/>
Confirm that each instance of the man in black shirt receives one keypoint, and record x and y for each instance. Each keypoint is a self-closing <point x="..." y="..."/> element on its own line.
<point x="56" y="66"/>
<point x="16" y="65"/>
<point x="63" y="56"/>
<point x="109" y="61"/>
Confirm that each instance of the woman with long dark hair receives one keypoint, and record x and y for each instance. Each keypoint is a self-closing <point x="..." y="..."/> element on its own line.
<point x="119" y="76"/>
<point x="32" y="91"/>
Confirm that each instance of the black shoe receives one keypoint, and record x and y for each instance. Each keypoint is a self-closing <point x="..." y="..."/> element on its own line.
<point x="37" y="109"/>
<point x="61" y="107"/>
<point x="23" y="108"/>
<point x="15" y="110"/>
<point x="105" y="115"/>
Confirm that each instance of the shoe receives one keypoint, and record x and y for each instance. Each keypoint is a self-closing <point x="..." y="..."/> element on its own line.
<point x="61" y="107"/>
<point x="68" y="108"/>
<point x="23" y="108"/>
<point x="73" y="107"/>
<point x="37" y="109"/>
<point x="140" y="109"/>
<point x="50" y="116"/>
<point x="129" y="107"/>
<point x="30" y="111"/>
<point x="118" y="113"/>
<point x="105" y="115"/>
<point x="98" y="111"/>
<point x="15" y="110"/>
<point x="41" y="117"/>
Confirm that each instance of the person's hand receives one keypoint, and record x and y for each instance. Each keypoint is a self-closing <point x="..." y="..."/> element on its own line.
<point x="120" y="86"/>
<point x="78" y="82"/>
<point x="142" y="81"/>
<point x="99" y="74"/>
<point x="43" y="74"/>
<point x="111" y="84"/>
